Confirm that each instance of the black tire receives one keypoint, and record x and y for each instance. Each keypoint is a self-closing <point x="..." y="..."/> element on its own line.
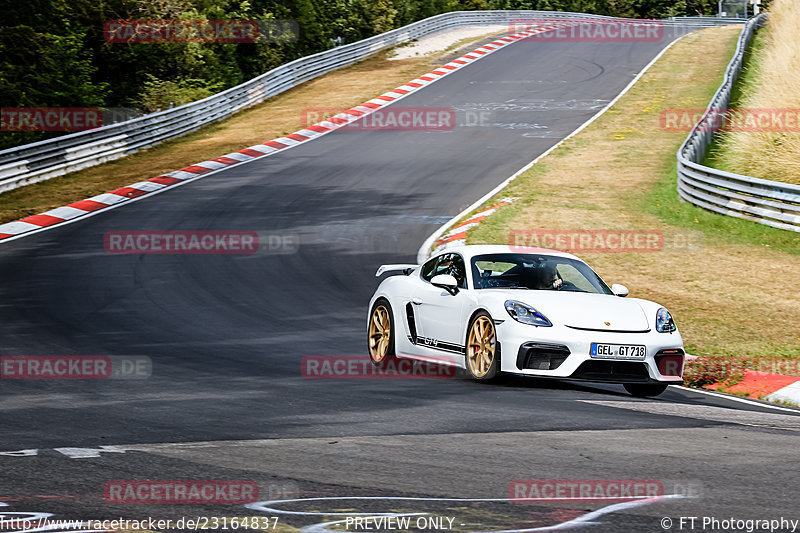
<point x="378" y="356"/>
<point x="476" y="370"/>
<point x="645" y="390"/>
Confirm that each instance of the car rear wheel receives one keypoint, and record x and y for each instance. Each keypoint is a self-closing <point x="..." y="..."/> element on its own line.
<point x="645" y="390"/>
<point x="380" y="335"/>
<point x="482" y="348"/>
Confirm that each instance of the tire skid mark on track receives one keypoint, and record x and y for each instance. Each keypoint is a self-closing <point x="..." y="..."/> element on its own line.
<point x="322" y="527"/>
<point x="426" y="249"/>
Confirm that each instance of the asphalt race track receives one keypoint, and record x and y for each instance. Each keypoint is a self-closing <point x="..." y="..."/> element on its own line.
<point x="226" y="335"/>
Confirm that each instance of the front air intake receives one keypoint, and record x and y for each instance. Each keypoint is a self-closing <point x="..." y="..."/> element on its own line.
<point x="541" y="356"/>
<point x="612" y="372"/>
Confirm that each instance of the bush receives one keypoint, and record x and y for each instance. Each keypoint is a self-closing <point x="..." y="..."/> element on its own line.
<point x="159" y="94"/>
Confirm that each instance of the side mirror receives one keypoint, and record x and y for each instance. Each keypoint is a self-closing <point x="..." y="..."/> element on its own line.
<point x="446" y="282"/>
<point x="619" y="290"/>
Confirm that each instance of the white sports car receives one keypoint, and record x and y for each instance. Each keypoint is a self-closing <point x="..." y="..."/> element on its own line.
<point x="530" y="311"/>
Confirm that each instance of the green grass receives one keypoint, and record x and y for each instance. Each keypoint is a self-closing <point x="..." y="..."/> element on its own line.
<point x="494" y="229"/>
<point x="663" y="201"/>
<point x="620" y="172"/>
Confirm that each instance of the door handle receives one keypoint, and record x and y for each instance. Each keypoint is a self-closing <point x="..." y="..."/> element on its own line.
<point x="416" y="301"/>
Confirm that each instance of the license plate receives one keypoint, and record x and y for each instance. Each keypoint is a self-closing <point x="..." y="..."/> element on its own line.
<point x="618" y="351"/>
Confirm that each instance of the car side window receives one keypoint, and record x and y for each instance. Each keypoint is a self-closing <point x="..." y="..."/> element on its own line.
<point x="571" y="276"/>
<point x="428" y="269"/>
<point x="452" y="264"/>
<point x="459" y="271"/>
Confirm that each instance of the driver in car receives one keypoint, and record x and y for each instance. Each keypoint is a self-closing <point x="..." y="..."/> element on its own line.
<point x="544" y="276"/>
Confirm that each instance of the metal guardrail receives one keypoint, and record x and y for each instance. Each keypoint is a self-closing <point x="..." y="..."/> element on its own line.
<point x="43" y="160"/>
<point x="767" y="202"/>
<point x="711" y="21"/>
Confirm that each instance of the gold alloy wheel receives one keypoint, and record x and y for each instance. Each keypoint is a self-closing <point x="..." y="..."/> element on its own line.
<point x="481" y="346"/>
<point x="380" y="333"/>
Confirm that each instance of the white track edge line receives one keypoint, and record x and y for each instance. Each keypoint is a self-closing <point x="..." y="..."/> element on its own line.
<point x="733" y="398"/>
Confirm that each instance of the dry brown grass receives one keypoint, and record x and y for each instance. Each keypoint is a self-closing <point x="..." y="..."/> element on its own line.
<point x="773" y="155"/>
<point x="278" y="116"/>
<point x="729" y="299"/>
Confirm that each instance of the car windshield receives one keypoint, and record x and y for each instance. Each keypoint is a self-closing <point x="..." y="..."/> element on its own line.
<point x="535" y="272"/>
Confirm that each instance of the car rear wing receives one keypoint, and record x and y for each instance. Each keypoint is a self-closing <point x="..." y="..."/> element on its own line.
<point x="405" y="269"/>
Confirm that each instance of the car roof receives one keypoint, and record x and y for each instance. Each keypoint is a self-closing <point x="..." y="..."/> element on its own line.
<point x="470" y="250"/>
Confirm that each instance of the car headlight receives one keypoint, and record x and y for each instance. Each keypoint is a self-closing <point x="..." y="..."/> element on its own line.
<point x="526" y="314"/>
<point x="664" y="322"/>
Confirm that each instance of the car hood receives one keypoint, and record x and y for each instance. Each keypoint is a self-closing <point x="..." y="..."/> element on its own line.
<point x="601" y="312"/>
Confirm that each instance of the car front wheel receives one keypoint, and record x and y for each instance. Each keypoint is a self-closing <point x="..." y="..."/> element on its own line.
<point x="380" y="334"/>
<point x="482" y="348"/>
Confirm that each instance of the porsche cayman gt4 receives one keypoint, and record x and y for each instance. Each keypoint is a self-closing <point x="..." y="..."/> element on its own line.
<point x="531" y="311"/>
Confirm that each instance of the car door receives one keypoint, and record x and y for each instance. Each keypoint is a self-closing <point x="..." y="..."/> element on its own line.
<point x="439" y="314"/>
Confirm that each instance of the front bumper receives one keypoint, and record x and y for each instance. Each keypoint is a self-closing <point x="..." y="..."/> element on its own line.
<point x="563" y="352"/>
